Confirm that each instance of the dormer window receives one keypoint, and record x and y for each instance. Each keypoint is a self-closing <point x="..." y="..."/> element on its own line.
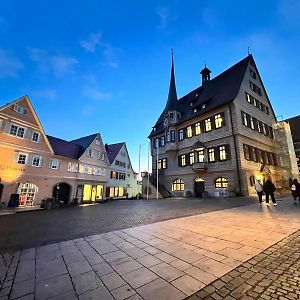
<point x="191" y="103"/>
<point x="195" y="110"/>
<point x="89" y="153"/>
<point x="204" y="106"/>
<point x="171" y="116"/>
<point x="97" y="142"/>
<point x="196" y="95"/>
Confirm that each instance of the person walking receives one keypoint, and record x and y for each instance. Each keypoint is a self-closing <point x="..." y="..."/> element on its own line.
<point x="259" y="190"/>
<point x="295" y="189"/>
<point x="269" y="189"/>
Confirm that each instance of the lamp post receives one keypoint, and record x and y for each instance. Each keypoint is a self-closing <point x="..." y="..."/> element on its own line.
<point x="148" y="171"/>
<point x="138" y="195"/>
<point x="157" y="146"/>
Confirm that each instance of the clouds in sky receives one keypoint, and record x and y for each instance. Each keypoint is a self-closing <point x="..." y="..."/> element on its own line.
<point x="45" y="94"/>
<point x="92" y="91"/>
<point x="9" y="65"/>
<point x="109" y="53"/>
<point x="164" y="16"/>
<point x="58" y="64"/>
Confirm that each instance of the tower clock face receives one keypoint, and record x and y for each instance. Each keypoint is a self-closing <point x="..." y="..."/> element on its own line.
<point x="166" y="122"/>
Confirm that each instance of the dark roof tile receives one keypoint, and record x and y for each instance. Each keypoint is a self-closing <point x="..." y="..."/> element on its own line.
<point x="112" y="151"/>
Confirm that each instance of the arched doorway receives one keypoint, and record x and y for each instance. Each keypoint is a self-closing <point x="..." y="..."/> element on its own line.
<point x="61" y="191"/>
<point x="199" y="187"/>
<point x="1" y="192"/>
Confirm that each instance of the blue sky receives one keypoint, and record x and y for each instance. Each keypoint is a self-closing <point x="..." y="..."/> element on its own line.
<point x="104" y="66"/>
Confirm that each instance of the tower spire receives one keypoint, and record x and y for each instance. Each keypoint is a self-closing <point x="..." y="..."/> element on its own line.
<point x="172" y="96"/>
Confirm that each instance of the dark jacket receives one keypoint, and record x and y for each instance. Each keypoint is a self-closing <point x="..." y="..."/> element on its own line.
<point x="295" y="193"/>
<point x="269" y="187"/>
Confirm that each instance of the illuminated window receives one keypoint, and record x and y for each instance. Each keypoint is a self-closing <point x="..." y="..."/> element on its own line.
<point x="192" y="158"/>
<point x="218" y="121"/>
<point x="189" y="131"/>
<point x="258" y="126"/>
<point x="207" y="125"/>
<point x="264" y="128"/>
<point x="248" y="98"/>
<point x="17" y="131"/>
<point x="211" y="155"/>
<point x="35" y="137"/>
<point x="251" y="122"/>
<point x="164" y="163"/>
<point x="178" y="185"/>
<point x="197" y="128"/>
<point x="222" y="153"/>
<point x="36" y="161"/>
<point x="201" y="156"/>
<point x="252" y="153"/>
<point x="87" y="192"/>
<point x="114" y="175"/>
<point x="22" y="159"/>
<point x="27" y="192"/>
<point x="182" y="160"/>
<point x="245" y="119"/>
<point x="180" y="135"/>
<point x="73" y="167"/>
<point x="221" y="182"/>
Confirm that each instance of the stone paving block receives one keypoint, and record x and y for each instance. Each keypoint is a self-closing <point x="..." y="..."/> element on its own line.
<point x="123" y="292"/>
<point x="135" y="297"/>
<point x="180" y="264"/>
<point x="70" y="295"/>
<point x="103" y="269"/>
<point x="165" y="257"/>
<point x="79" y="267"/>
<point x="166" y="271"/>
<point x="53" y="286"/>
<point x="125" y="245"/>
<point x="97" y="294"/>
<point x="125" y="265"/>
<point x="86" y="282"/>
<point x="102" y="246"/>
<point x="25" y="270"/>
<point x="139" y="277"/>
<point x="187" y="255"/>
<point x="116" y="255"/>
<point x="136" y="252"/>
<point x="149" y="260"/>
<point x="113" y="281"/>
<point x="200" y="275"/>
<point x="50" y="269"/>
<point x="188" y="284"/>
<point x="95" y="259"/>
<point x="28" y="254"/>
<point x="213" y="267"/>
<point x="152" y="250"/>
<point x="160" y="289"/>
<point x="71" y="257"/>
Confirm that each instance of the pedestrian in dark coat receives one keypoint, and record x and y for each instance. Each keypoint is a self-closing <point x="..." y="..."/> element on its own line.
<point x="269" y="189"/>
<point x="295" y="189"/>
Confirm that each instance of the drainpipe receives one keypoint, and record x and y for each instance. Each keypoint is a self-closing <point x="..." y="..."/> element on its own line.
<point x="236" y="154"/>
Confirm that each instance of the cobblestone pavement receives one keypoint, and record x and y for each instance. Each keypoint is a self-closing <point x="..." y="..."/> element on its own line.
<point x="31" y="229"/>
<point x="168" y="260"/>
<point x="272" y="274"/>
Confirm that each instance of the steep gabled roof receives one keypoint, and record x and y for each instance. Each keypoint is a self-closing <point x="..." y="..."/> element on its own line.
<point x="85" y="141"/>
<point x="65" y="148"/>
<point x="217" y="92"/>
<point x="112" y="150"/>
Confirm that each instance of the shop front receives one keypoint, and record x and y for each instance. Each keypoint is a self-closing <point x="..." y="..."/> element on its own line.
<point x="90" y="192"/>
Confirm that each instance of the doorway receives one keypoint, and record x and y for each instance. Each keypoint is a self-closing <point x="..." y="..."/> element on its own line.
<point x="199" y="187"/>
<point x="61" y="191"/>
<point x="1" y="192"/>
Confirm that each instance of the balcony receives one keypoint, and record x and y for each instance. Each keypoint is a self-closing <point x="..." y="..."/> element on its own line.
<point x="171" y="146"/>
<point x="199" y="166"/>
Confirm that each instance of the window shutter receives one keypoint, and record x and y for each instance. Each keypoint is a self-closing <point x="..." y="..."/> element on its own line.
<point x="228" y="152"/>
<point x="248" y="120"/>
<point x="179" y="160"/>
<point x="202" y="126"/>
<point x="223" y="117"/>
<point x="7" y="126"/>
<point x="15" y="157"/>
<point x="42" y="161"/>
<point x="213" y="123"/>
<point x="29" y="160"/>
<point x="28" y="133"/>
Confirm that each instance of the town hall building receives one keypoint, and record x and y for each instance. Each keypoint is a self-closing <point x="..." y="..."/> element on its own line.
<point x="220" y="137"/>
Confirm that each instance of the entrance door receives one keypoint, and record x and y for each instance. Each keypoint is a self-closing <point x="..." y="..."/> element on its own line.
<point x="1" y="192"/>
<point x="94" y="193"/>
<point x="199" y="187"/>
<point x="61" y="191"/>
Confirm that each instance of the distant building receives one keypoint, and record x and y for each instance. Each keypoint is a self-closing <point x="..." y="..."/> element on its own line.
<point x="37" y="166"/>
<point x="221" y="136"/>
<point x="122" y="182"/>
<point x="295" y="130"/>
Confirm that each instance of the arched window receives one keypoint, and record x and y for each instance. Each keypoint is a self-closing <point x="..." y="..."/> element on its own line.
<point x="221" y="182"/>
<point x="178" y="185"/>
<point x="198" y="179"/>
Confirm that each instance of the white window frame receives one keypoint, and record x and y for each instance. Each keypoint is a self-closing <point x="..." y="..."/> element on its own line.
<point x="25" y="161"/>
<point x="89" y="153"/>
<point x="38" y="137"/>
<point x="39" y="160"/>
<point x="207" y="124"/>
<point x="17" y="130"/>
<point x="222" y="153"/>
<point x="20" y="109"/>
<point x="54" y="164"/>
